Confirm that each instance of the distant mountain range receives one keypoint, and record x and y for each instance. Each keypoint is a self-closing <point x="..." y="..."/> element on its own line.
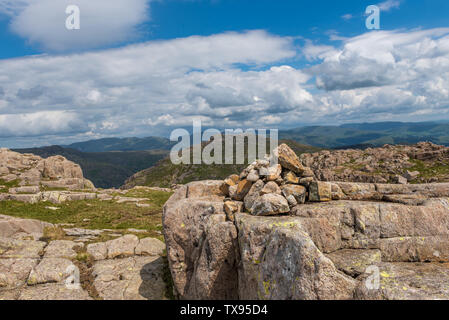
<point x="109" y="162"/>
<point x="122" y="144"/>
<point x="369" y="134"/>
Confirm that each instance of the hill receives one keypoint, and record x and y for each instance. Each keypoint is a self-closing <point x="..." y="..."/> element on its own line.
<point x="165" y="173"/>
<point x="104" y="169"/>
<point x="122" y="144"/>
<point x="370" y="134"/>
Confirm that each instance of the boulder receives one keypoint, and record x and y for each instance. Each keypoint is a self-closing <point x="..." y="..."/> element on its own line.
<point x="320" y="191"/>
<point x="271" y="173"/>
<point x="279" y="261"/>
<point x="242" y="189"/>
<point x="270" y="204"/>
<point x="201" y="247"/>
<point x="288" y="159"/>
<point x="253" y="194"/>
<point x="294" y="194"/>
<point x="270" y="187"/>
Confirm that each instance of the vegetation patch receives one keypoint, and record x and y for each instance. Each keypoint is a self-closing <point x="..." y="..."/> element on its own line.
<point x="95" y="214"/>
<point x="6" y="185"/>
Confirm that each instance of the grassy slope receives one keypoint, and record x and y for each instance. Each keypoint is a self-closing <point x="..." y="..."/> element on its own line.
<point x="164" y="173"/>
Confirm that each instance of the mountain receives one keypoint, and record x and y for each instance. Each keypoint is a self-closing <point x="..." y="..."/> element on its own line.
<point x="104" y="169"/>
<point x="122" y="144"/>
<point x="165" y="173"/>
<point x="370" y="134"/>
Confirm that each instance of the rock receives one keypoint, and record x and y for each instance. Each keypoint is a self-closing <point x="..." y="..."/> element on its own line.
<point x="10" y="248"/>
<point x="406" y="281"/>
<point x="98" y="251"/>
<point x="294" y="194"/>
<point x="150" y="247"/>
<point x="206" y="189"/>
<point x="133" y="278"/>
<point x="306" y="181"/>
<point x="270" y="187"/>
<point x="51" y="270"/>
<point x="122" y="247"/>
<point x="279" y="262"/>
<point x="27" y="198"/>
<point x="411" y="175"/>
<point x="242" y="189"/>
<point x="11" y="227"/>
<point x="61" y="249"/>
<point x="400" y="180"/>
<point x="14" y="272"/>
<point x="270" y="204"/>
<point x="253" y="176"/>
<point x="271" y="173"/>
<point x="320" y="191"/>
<point x="58" y="167"/>
<point x="232" y="207"/>
<point x="253" y="194"/>
<point x="79" y="232"/>
<point x="288" y="159"/>
<point x="30" y="189"/>
<point x="201" y="248"/>
<point x="53" y="291"/>
<point x="355" y="262"/>
<point x="308" y="173"/>
<point x="230" y="181"/>
<point x="290" y="177"/>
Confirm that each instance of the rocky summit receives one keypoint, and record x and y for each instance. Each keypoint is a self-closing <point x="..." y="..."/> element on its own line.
<point x="280" y="232"/>
<point x="30" y="178"/>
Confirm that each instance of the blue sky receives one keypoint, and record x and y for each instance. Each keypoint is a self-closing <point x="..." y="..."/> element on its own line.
<point x="140" y="67"/>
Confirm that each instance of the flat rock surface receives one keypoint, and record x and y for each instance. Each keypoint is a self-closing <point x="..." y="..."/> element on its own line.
<point x="134" y="278"/>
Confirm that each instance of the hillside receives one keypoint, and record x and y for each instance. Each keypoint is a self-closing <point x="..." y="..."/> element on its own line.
<point x="370" y="134"/>
<point x="104" y="169"/>
<point x="122" y="144"/>
<point x="165" y="174"/>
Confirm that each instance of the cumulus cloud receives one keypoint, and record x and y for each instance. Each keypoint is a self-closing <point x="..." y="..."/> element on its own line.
<point x="148" y="89"/>
<point x="39" y="123"/>
<point x="103" y="22"/>
<point x="124" y="90"/>
<point x="389" y="5"/>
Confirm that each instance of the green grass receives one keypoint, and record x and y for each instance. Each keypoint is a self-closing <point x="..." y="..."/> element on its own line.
<point x="96" y="214"/>
<point x="7" y="185"/>
<point x="429" y="170"/>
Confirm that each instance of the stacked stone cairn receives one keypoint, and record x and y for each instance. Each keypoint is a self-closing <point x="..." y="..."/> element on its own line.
<point x="264" y="189"/>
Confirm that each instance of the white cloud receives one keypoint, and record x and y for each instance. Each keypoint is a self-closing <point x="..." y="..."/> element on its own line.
<point x="389" y="5"/>
<point x="347" y="16"/>
<point x="40" y="123"/>
<point x="150" y="88"/>
<point x="103" y="22"/>
<point x="147" y="81"/>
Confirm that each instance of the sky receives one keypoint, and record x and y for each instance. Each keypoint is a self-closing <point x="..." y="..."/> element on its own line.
<point x="146" y="67"/>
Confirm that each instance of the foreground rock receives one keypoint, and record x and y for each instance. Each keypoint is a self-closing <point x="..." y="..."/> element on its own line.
<point x="125" y="268"/>
<point x="326" y="244"/>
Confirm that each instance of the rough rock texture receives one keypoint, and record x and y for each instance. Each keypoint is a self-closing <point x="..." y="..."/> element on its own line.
<point x="329" y="247"/>
<point x="30" y="175"/>
<point x="201" y="245"/>
<point x="381" y="165"/>
<point x="123" y="268"/>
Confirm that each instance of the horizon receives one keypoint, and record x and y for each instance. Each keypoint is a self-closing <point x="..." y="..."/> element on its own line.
<point x="231" y="64"/>
<point x="68" y="145"/>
